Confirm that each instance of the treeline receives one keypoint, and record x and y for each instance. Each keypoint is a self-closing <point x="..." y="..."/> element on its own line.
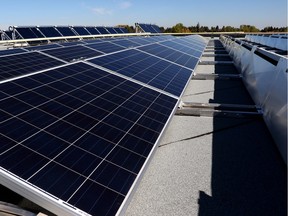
<point x="180" y="28"/>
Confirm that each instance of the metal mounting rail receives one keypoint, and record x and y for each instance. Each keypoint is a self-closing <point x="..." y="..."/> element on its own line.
<point x="200" y="76"/>
<point x="221" y="110"/>
<point x="73" y="37"/>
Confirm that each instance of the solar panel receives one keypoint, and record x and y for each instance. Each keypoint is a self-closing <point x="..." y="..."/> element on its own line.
<point x="43" y="47"/>
<point x="126" y="43"/>
<point x="49" y="31"/>
<point x="11" y="51"/>
<point x="183" y="48"/>
<point x="171" y="55"/>
<point x="25" y="63"/>
<point x="98" y="144"/>
<point x="87" y="128"/>
<point x="28" y="32"/>
<point x="147" y="69"/>
<point x="72" y="43"/>
<point x="72" y="53"/>
<point x="81" y="30"/>
<point x="102" y="30"/>
<point x="140" y="40"/>
<point x="65" y="30"/>
<point x="106" y="47"/>
<point x="111" y="30"/>
<point x="92" y="30"/>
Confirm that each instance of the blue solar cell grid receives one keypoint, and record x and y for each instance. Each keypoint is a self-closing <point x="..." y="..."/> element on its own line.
<point x="21" y="64"/>
<point x="65" y="31"/>
<point x="87" y="136"/>
<point x="72" y="53"/>
<point x="147" y="69"/>
<point x="49" y="31"/>
<point x="86" y="133"/>
<point x="81" y="30"/>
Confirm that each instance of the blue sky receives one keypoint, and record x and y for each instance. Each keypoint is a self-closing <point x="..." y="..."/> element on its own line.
<point x="165" y="13"/>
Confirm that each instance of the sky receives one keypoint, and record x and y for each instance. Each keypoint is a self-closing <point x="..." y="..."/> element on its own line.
<point x="166" y="13"/>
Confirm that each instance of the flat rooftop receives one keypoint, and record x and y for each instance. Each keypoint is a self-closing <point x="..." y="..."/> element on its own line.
<point x="211" y="164"/>
<point x="211" y="161"/>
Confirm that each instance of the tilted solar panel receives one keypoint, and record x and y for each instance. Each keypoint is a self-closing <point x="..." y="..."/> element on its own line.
<point x="72" y="53"/>
<point x="75" y="139"/>
<point x="43" y="47"/>
<point x="81" y="30"/>
<point x="65" y="30"/>
<point x="28" y="32"/>
<point x="49" y="31"/>
<point x="11" y="51"/>
<point x="147" y="69"/>
<point x="25" y="63"/>
<point x="183" y="48"/>
<point x="171" y="55"/>
<point x="126" y="43"/>
<point x="106" y="47"/>
<point x="84" y="137"/>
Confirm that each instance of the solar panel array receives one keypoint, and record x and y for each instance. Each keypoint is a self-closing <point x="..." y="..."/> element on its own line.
<point x="30" y="32"/>
<point x="79" y="122"/>
<point x="148" y="28"/>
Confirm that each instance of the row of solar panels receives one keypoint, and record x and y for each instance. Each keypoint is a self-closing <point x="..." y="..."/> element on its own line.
<point x="279" y="41"/>
<point x="247" y="44"/>
<point x="29" y="32"/>
<point x="141" y="27"/>
<point x="80" y="121"/>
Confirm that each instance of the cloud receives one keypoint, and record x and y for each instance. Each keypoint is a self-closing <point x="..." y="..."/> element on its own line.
<point x="125" y="5"/>
<point x="102" y="11"/>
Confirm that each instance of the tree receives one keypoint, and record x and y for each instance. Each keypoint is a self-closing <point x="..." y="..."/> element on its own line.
<point x="179" y="28"/>
<point x="248" y="28"/>
<point x="198" y="27"/>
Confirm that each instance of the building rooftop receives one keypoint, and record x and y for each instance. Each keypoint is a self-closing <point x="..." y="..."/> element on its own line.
<point x="216" y="157"/>
<point x="214" y="165"/>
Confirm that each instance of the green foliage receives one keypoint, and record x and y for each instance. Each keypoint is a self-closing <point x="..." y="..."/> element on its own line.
<point x="130" y="29"/>
<point x="275" y="29"/>
<point x="180" y="28"/>
<point x="248" y="28"/>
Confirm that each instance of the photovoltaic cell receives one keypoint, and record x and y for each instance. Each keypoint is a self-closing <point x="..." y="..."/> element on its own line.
<point x="73" y="53"/>
<point x="171" y="55"/>
<point x="147" y="69"/>
<point x="86" y="138"/>
<point x="183" y="48"/>
<point x="106" y="47"/>
<point x="125" y="43"/>
<point x="21" y="64"/>
<point x="43" y="47"/>
<point x="86" y="133"/>
<point x="11" y="51"/>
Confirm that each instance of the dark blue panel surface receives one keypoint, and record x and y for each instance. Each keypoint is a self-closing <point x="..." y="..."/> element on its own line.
<point x="43" y="47"/>
<point x="73" y="53"/>
<point x="183" y="48"/>
<point x="28" y="32"/>
<point x="171" y="55"/>
<point x="92" y="30"/>
<point x="21" y="64"/>
<point x="147" y="69"/>
<point x="102" y="30"/>
<point x="11" y="51"/>
<point x="126" y="43"/>
<point x="65" y="31"/>
<point x="84" y="133"/>
<point x="81" y="30"/>
<point x="106" y="47"/>
<point x="49" y="31"/>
